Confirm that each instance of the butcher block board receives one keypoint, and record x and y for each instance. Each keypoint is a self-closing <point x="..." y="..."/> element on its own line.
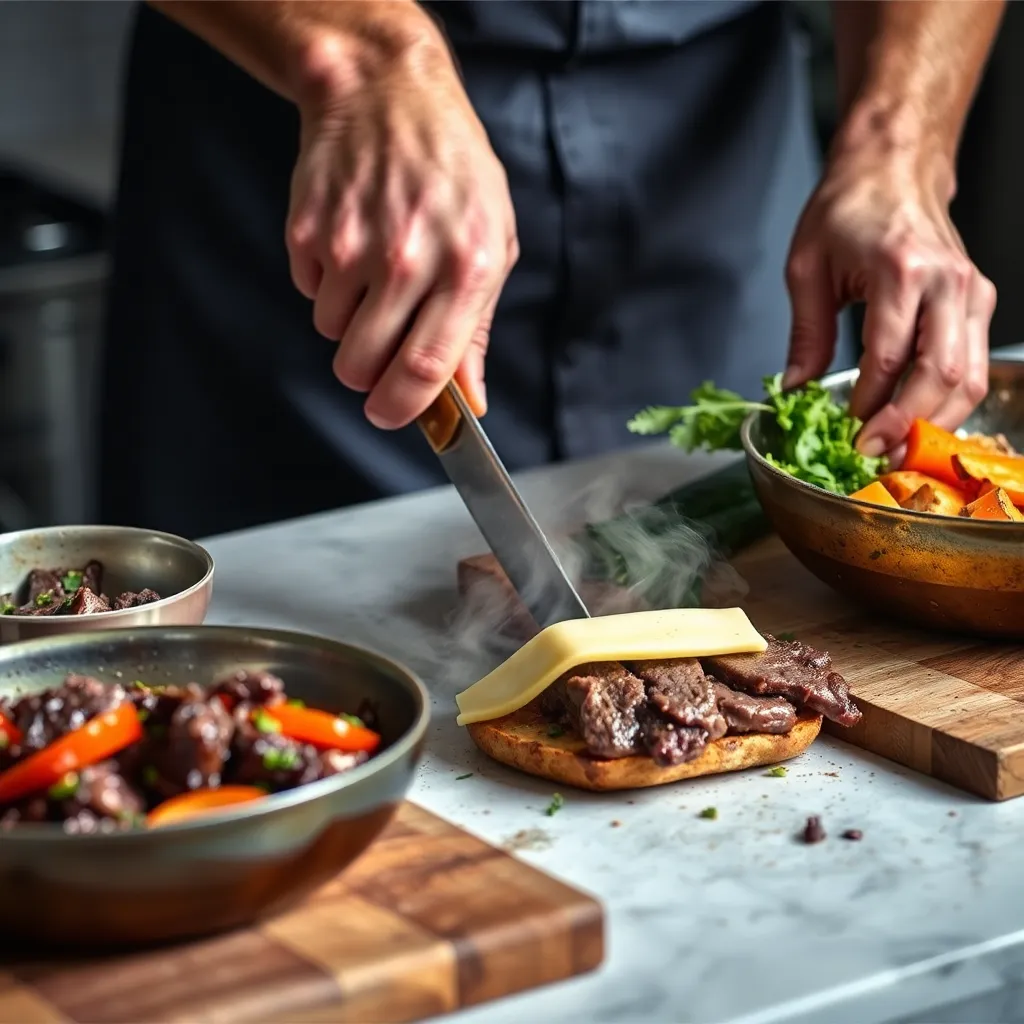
<point x="948" y="706"/>
<point x="429" y="920"/>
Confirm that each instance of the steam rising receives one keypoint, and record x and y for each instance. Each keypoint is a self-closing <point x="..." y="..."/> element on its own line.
<point x="621" y="554"/>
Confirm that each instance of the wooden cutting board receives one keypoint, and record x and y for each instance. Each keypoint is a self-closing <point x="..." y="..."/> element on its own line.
<point x="429" y="920"/>
<point x="948" y="706"/>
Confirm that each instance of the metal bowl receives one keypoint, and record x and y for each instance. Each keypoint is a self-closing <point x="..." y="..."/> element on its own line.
<point x="180" y="571"/>
<point x="225" y="870"/>
<point x="959" y="575"/>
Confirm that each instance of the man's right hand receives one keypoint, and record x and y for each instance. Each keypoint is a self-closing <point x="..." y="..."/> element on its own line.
<point x="401" y="228"/>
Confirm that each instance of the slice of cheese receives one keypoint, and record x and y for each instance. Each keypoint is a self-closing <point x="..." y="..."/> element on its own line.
<point x="634" y="636"/>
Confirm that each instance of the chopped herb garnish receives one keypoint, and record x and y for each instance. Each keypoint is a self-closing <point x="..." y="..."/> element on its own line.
<point x="786" y="637"/>
<point x="142" y="714"/>
<point x="44" y="599"/>
<point x="356" y="723"/>
<point x="777" y="772"/>
<point x="459" y="778"/>
<point x="65" y="789"/>
<point x="815" y="440"/>
<point x="4" y="740"/>
<point x="71" y="581"/>
<point x="139" y="684"/>
<point x="263" y="721"/>
<point x="150" y="776"/>
<point x="7" y="608"/>
<point x="296" y="703"/>
<point x="554" y="731"/>
<point x="557" y="802"/>
<point x="709" y="812"/>
<point x="277" y="760"/>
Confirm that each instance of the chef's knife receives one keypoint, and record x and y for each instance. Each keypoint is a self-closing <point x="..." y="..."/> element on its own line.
<point x="499" y="511"/>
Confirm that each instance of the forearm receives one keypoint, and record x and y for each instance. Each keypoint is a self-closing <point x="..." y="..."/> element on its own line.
<point x="908" y="70"/>
<point x="306" y="50"/>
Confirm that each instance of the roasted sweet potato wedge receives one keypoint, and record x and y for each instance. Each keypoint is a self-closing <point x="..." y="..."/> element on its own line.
<point x="876" y="493"/>
<point x="994" y="504"/>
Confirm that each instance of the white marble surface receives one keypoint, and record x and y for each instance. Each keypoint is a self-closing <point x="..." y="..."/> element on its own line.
<point x="711" y="921"/>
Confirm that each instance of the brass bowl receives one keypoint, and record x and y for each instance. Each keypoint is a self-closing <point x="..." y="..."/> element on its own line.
<point x="941" y="572"/>
<point x="177" y="569"/>
<point x="227" y="869"/>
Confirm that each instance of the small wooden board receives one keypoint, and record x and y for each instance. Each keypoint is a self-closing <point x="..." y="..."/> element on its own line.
<point x="429" y="920"/>
<point x="947" y="706"/>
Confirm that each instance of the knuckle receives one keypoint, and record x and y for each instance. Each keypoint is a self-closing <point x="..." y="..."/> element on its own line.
<point x="473" y="265"/>
<point x="345" y="248"/>
<point x="403" y="261"/>
<point x="975" y="388"/>
<point x="888" y="362"/>
<point x="800" y="268"/>
<point x="904" y="263"/>
<point x="959" y="274"/>
<point x="949" y="372"/>
<point x="300" y="234"/>
<point x="987" y="294"/>
<point x="428" y="365"/>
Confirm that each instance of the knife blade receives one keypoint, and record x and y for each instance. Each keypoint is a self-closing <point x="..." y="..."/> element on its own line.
<point x="498" y="509"/>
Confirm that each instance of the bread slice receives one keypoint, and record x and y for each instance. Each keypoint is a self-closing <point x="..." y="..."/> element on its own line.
<point x="523" y="741"/>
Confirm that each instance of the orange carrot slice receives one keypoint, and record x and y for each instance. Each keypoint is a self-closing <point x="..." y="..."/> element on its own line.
<point x="201" y="801"/>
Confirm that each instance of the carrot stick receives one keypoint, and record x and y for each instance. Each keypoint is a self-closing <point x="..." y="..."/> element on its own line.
<point x="930" y="450"/>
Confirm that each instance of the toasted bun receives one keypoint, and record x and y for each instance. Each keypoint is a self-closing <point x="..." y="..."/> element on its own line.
<point x="521" y="740"/>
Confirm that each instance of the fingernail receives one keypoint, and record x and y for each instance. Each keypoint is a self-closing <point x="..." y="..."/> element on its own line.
<point x="872" y="447"/>
<point x="380" y="422"/>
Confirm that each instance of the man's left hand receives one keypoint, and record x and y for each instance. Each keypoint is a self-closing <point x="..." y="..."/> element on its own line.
<point x="877" y="230"/>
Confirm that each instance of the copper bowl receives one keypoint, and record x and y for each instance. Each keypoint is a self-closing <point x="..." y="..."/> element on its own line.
<point x="177" y="569"/>
<point x="227" y="869"/>
<point x="956" y="575"/>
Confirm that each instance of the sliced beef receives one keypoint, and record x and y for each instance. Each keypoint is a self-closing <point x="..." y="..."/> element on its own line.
<point x="667" y="742"/>
<point x="87" y="602"/>
<point x="790" y="669"/>
<point x="44" y="583"/>
<point x="745" y="713"/>
<point x="678" y="688"/>
<point x="250" y="688"/>
<point x="188" y="739"/>
<point x="601" y="702"/>
<point x="42" y="717"/>
<point x="96" y="799"/>
<point x="130" y="599"/>
<point x="274" y="762"/>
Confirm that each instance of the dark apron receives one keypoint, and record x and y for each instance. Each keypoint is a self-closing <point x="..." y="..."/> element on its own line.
<point x="658" y="155"/>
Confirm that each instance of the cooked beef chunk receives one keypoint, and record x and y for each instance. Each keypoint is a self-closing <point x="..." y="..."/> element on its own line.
<point x="97" y="799"/>
<point x="668" y="743"/>
<point x="87" y="602"/>
<point x="42" y="717"/>
<point x="601" y="702"/>
<point x="70" y="592"/>
<point x="43" y="583"/>
<point x="131" y="600"/>
<point x="744" y="713"/>
<point x="276" y="762"/>
<point x="790" y="669"/>
<point x="682" y="693"/>
<point x="188" y="750"/>
<point x="250" y="688"/>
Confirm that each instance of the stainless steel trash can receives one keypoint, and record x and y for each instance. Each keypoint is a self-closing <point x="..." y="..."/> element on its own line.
<point x="53" y="272"/>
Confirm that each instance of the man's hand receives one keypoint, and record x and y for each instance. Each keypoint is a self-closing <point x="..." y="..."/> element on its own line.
<point x="875" y="232"/>
<point x="877" y="229"/>
<point x="400" y="228"/>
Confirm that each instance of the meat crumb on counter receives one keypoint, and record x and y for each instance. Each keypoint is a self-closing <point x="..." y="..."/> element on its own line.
<point x="814" y="831"/>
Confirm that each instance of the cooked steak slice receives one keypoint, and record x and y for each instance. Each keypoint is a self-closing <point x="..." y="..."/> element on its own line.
<point x="682" y="693"/>
<point x="43" y="583"/>
<point x="601" y="701"/>
<point x="87" y="602"/>
<point x="793" y="670"/>
<point x="745" y="713"/>
<point x="131" y="599"/>
<point x="45" y="716"/>
<point x="667" y="742"/>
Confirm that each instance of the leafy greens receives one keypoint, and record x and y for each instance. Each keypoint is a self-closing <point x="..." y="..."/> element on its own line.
<point x="816" y="434"/>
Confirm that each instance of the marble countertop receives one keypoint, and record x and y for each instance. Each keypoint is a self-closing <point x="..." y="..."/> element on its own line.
<point x="710" y="921"/>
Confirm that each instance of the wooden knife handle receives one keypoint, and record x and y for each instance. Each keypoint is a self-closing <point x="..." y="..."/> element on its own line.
<point x="441" y="422"/>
